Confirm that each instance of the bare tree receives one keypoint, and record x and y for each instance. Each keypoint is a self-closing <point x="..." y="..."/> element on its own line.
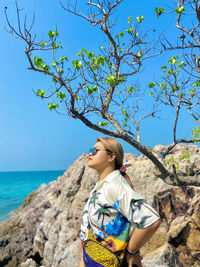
<point x="98" y="90"/>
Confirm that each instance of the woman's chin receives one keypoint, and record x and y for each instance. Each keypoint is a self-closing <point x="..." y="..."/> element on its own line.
<point x="89" y="163"/>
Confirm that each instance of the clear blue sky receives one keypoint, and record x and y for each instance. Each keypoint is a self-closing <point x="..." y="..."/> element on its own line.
<point x="32" y="137"/>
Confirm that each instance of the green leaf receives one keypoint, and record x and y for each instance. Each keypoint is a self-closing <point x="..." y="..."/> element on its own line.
<point x="196" y="132"/>
<point x="78" y="97"/>
<point x="95" y="88"/>
<point x="181" y="95"/>
<point x="175" y="87"/>
<point x="116" y="36"/>
<point x="140" y="18"/>
<point x="80" y="54"/>
<point x="180" y="9"/>
<point x="151" y="85"/>
<point x="91" y="90"/>
<point x="46" y="67"/>
<point x="103" y="123"/>
<point x="129" y="30"/>
<point x="150" y="94"/>
<point x="136" y="35"/>
<point x="164" y="67"/>
<point x="177" y="166"/>
<point x="181" y="63"/>
<point x="139" y="54"/>
<point x="52" y="34"/>
<point x="40" y="93"/>
<point x="170" y="160"/>
<point x="43" y="44"/>
<point x="169" y="72"/>
<point x="60" y="70"/>
<point x="178" y="70"/>
<point x="54" y="80"/>
<point x="52" y="106"/>
<point x="90" y="54"/>
<point x="77" y="64"/>
<point x="129" y="20"/>
<point x="112" y="80"/>
<point x="185" y="155"/>
<point x="193" y="91"/>
<point x="163" y="85"/>
<point x="159" y="11"/>
<point x="121" y="79"/>
<point x="197" y="83"/>
<point x="130" y="89"/>
<point x="64" y="58"/>
<point x="121" y="34"/>
<point x="40" y="63"/>
<point x="124" y="112"/>
<point x="56" y="45"/>
<point x="173" y="60"/>
<point x="55" y="63"/>
<point x="83" y="49"/>
<point x="61" y="95"/>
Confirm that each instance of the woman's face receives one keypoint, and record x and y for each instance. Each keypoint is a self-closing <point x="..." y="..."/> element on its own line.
<point x="101" y="159"/>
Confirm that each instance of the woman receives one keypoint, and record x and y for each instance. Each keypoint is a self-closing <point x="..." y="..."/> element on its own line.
<point x="115" y="215"/>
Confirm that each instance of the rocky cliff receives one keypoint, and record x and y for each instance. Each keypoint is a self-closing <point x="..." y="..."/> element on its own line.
<point x="44" y="231"/>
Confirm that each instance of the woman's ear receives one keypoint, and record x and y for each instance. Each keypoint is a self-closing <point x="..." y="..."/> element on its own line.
<point x="112" y="157"/>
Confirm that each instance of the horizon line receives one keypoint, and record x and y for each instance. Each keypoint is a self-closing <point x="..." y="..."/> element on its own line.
<point x="32" y="171"/>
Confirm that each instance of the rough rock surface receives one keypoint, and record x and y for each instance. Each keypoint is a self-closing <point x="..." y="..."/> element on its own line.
<point x="45" y="230"/>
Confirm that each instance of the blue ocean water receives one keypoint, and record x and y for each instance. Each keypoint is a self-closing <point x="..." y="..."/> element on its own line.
<point x="15" y="186"/>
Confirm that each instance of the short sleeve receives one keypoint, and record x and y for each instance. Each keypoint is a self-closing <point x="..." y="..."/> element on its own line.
<point x="135" y="208"/>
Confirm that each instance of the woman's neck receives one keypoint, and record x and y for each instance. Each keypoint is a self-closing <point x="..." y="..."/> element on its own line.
<point x="103" y="174"/>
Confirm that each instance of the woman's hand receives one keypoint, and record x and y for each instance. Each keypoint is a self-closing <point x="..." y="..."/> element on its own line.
<point x="134" y="259"/>
<point x="81" y="264"/>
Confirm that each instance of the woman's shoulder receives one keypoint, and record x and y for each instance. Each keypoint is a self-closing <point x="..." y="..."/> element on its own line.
<point x="117" y="187"/>
<point x="120" y="188"/>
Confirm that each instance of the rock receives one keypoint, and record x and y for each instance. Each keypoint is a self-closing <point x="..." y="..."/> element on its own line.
<point x="164" y="256"/>
<point x="44" y="231"/>
<point x="29" y="263"/>
<point x="185" y="158"/>
<point x="180" y="207"/>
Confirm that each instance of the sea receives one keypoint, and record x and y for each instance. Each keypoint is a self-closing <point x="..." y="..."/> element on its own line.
<point x="15" y="186"/>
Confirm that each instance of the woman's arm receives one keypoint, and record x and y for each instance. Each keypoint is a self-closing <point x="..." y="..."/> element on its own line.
<point x="81" y="264"/>
<point x="138" y="239"/>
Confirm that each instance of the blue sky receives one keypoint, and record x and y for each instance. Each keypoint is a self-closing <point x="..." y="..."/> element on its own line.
<point x="31" y="136"/>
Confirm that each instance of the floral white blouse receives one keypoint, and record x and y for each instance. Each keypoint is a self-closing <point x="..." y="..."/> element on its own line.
<point x="112" y="210"/>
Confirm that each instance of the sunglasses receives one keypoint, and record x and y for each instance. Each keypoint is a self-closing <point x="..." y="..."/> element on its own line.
<point x="94" y="151"/>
